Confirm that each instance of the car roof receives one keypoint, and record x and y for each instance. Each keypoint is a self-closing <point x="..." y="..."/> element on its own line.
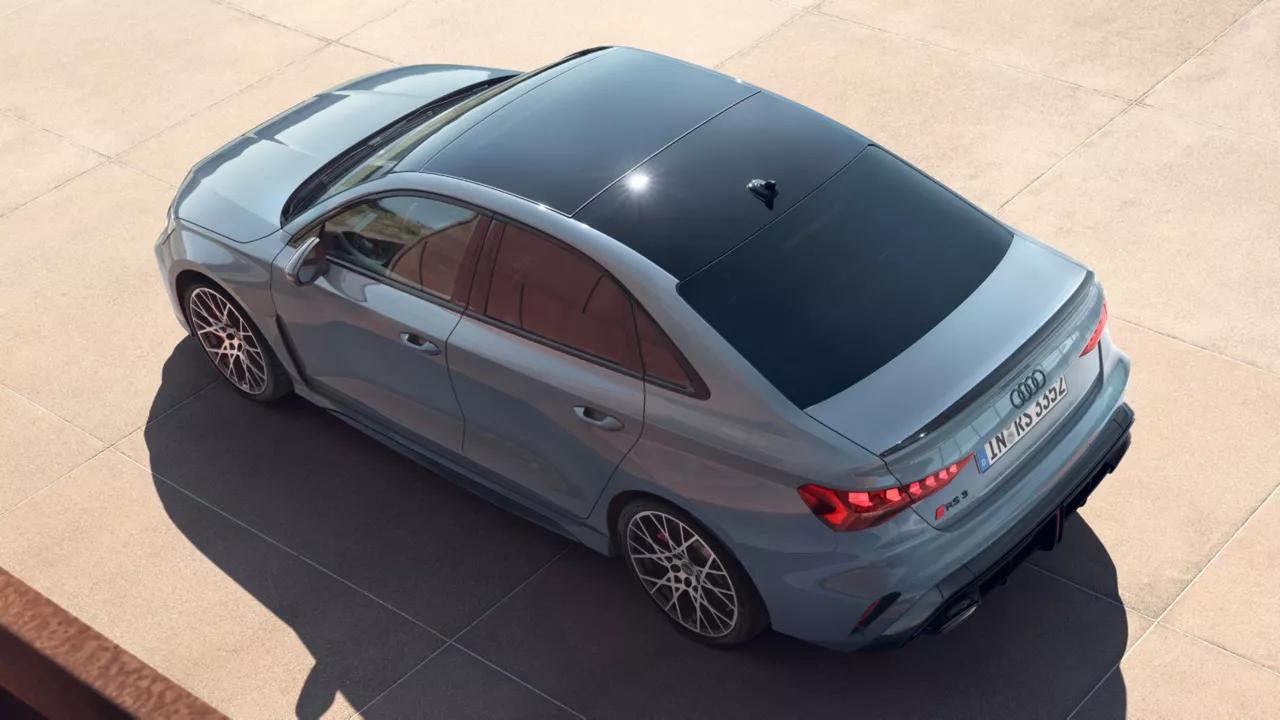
<point x="652" y="151"/>
<point x="575" y="134"/>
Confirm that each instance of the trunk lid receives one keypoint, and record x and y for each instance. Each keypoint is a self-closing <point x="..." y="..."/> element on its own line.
<point x="948" y="394"/>
<point x="239" y="190"/>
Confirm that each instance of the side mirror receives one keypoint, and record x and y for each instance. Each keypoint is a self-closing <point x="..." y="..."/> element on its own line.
<point x="308" y="263"/>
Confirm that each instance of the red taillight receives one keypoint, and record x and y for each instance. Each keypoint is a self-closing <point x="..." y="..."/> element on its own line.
<point x="1097" y="332"/>
<point x="857" y="510"/>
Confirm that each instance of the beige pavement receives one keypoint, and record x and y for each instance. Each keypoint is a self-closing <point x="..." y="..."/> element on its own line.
<point x="276" y="563"/>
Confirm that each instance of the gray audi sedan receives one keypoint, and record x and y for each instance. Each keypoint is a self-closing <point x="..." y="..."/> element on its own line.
<point x="792" y="380"/>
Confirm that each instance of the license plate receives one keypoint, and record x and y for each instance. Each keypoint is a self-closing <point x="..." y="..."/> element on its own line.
<point x="998" y="446"/>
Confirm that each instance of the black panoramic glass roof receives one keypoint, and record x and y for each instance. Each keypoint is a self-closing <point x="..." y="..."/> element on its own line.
<point x="570" y="138"/>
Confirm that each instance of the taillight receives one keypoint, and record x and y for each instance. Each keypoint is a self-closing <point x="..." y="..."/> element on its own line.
<point x="1097" y="332"/>
<point x="845" y="510"/>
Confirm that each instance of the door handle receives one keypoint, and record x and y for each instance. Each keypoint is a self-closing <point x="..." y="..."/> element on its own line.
<point x="417" y="342"/>
<point x="595" y="418"/>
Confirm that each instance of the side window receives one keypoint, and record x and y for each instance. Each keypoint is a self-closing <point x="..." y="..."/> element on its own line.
<point x="662" y="361"/>
<point x="416" y="240"/>
<point x="552" y="291"/>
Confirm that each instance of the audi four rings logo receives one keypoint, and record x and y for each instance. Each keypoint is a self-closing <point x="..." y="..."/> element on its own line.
<point x="1027" y="389"/>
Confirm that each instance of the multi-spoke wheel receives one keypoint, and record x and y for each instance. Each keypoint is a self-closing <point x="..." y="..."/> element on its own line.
<point x="233" y="344"/>
<point x="690" y="575"/>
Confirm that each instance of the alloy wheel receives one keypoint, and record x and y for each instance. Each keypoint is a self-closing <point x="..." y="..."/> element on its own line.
<point x="682" y="573"/>
<point x="229" y="341"/>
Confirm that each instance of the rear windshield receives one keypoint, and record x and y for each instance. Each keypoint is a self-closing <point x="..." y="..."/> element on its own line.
<point x="848" y="279"/>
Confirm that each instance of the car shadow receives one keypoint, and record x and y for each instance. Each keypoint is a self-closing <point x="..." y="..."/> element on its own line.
<point x="438" y="558"/>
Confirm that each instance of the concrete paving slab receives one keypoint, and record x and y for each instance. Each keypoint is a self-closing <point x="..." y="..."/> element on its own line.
<point x="77" y="271"/>
<point x="36" y="448"/>
<point x="33" y="162"/>
<point x="523" y="36"/>
<point x="169" y="155"/>
<point x="346" y="502"/>
<point x="1157" y="532"/>
<point x="326" y="18"/>
<point x="1233" y="82"/>
<point x="1123" y="48"/>
<point x="1170" y="676"/>
<point x="581" y="633"/>
<point x="1179" y="221"/>
<point x="108" y="75"/>
<point x="1234" y="604"/>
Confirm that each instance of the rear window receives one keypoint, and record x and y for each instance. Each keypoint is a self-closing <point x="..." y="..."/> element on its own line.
<point x="848" y="279"/>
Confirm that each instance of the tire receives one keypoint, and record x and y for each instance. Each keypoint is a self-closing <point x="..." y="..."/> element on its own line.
<point x="703" y="590"/>
<point x="233" y="344"/>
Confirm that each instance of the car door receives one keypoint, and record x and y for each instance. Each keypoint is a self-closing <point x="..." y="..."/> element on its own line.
<point x="371" y="331"/>
<point x="546" y="364"/>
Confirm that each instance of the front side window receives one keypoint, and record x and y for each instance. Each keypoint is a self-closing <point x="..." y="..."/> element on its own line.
<point x="547" y="289"/>
<point x="418" y="241"/>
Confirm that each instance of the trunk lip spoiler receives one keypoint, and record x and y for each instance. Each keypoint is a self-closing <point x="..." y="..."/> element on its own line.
<point x="1001" y="371"/>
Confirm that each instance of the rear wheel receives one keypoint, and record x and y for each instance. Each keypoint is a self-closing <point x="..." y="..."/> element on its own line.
<point x="690" y="575"/>
<point x="233" y="344"/>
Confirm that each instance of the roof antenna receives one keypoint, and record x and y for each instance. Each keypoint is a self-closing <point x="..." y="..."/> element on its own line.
<point x="766" y="190"/>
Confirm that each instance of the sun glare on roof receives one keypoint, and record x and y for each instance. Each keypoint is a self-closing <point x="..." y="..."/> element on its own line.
<point x="637" y="181"/>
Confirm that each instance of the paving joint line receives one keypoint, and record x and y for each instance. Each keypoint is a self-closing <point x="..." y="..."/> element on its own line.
<point x="364" y="25"/>
<point x="919" y="41"/>
<point x="140" y="171"/>
<point x="59" y="479"/>
<point x="393" y="685"/>
<point x="508" y="596"/>
<point x="65" y="421"/>
<point x="54" y="133"/>
<point x="566" y="708"/>
<point x="1156" y="108"/>
<point x="1188" y="343"/>
<point x="164" y="414"/>
<point x="766" y="36"/>
<point x="1094" y="593"/>
<point x="59" y="186"/>
<point x="1220" y="648"/>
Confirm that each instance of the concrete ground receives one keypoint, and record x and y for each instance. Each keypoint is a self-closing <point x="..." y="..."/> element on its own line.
<point x="276" y="563"/>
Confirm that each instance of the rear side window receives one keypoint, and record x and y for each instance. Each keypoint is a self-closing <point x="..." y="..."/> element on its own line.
<point x="549" y="290"/>
<point x="849" y="278"/>
<point x="662" y="361"/>
<point x="418" y="241"/>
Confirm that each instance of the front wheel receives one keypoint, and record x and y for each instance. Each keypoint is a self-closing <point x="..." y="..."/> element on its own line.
<point x="690" y="575"/>
<point x="234" y="345"/>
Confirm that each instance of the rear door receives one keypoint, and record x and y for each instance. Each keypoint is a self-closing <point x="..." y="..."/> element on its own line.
<point x="546" y="364"/>
<point x="371" y="332"/>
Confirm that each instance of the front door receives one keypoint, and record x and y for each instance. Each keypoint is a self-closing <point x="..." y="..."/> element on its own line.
<point x="371" y="332"/>
<point x="547" y="368"/>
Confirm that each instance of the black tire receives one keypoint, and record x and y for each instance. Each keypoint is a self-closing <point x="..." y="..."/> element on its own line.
<point x="692" y="574"/>
<point x="260" y="381"/>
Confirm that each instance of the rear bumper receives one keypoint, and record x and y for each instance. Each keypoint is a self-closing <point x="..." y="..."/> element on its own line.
<point x="962" y="590"/>
<point x="915" y="574"/>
